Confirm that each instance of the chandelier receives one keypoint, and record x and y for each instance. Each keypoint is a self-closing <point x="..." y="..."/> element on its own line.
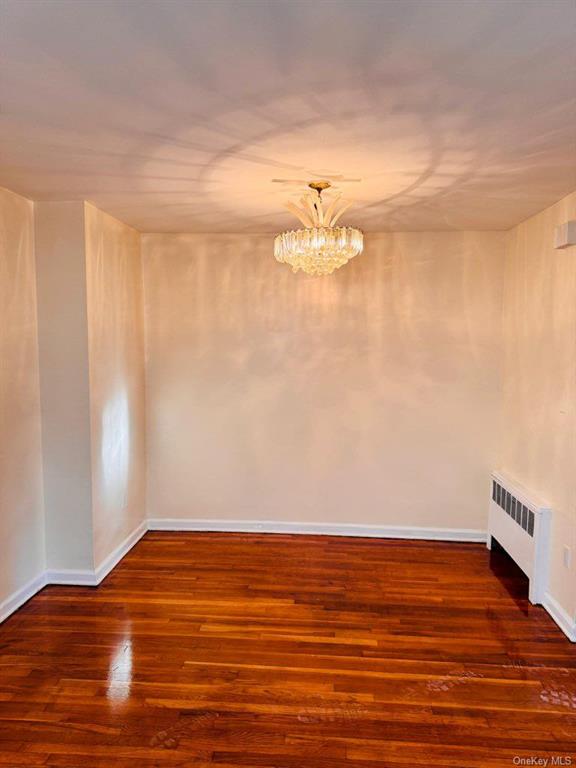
<point x="321" y="247"/>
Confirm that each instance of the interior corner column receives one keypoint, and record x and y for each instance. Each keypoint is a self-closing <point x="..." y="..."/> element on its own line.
<point x="64" y="384"/>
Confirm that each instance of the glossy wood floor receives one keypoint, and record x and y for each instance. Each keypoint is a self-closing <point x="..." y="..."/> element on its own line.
<point x="287" y="652"/>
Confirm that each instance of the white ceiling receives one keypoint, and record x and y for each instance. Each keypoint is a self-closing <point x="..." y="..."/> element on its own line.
<point x="174" y="115"/>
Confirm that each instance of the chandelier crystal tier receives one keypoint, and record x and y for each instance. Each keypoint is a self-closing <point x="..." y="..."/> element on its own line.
<point x="321" y="247"/>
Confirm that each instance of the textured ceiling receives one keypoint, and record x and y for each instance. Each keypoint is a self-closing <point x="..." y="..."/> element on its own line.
<point x="175" y="115"/>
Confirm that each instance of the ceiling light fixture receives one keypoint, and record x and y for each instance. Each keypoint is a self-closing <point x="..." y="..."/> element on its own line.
<point x="321" y="247"/>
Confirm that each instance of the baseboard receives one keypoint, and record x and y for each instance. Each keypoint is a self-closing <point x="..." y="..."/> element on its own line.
<point x="121" y="550"/>
<point x="21" y="596"/>
<point x="566" y="623"/>
<point x="325" y="529"/>
<point x="91" y="578"/>
<point x="72" y="577"/>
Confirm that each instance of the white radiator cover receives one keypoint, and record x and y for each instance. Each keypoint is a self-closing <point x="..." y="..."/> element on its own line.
<point x="520" y="523"/>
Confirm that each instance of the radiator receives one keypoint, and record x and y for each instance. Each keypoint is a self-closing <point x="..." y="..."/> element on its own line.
<point x="520" y="523"/>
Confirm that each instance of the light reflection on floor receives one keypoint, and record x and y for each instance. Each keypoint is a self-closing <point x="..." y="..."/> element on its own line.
<point x="120" y="672"/>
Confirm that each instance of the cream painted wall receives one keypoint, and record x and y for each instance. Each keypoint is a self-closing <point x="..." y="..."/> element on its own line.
<point x="21" y="502"/>
<point x="92" y="382"/>
<point x="116" y="354"/>
<point x="539" y="410"/>
<point x="64" y="384"/>
<point x="369" y="397"/>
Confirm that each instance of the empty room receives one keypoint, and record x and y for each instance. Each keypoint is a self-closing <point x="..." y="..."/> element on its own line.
<point x="287" y="383"/>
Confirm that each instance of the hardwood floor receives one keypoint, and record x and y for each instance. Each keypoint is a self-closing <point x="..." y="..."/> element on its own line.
<point x="287" y="652"/>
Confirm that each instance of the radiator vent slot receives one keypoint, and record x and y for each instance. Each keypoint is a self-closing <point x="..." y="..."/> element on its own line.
<point x="513" y="507"/>
<point x="520" y="523"/>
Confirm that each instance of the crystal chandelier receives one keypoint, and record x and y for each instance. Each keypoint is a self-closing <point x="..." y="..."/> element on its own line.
<point x="321" y="247"/>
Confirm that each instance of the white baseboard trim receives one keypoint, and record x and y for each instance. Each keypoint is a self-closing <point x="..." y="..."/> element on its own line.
<point x="71" y="577"/>
<point x="566" y="623"/>
<point x="21" y="596"/>
<point x="325" y="529"/>
<point x="121" y="550"/>
<point x="91" y="578"/>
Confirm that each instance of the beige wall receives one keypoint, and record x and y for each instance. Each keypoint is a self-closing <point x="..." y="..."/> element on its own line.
<point x="64" y="384"/>
<point x="369" y="397"/>
<point x="539" y="435"/>
<point x="92" y="382"/>
<point x="116" y="354"/>
<point x="21" y="505"/>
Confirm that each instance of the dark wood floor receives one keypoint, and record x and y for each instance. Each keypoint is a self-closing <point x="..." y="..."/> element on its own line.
<point x="287" y="652"/>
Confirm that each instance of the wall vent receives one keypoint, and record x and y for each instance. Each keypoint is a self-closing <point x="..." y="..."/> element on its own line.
<point x="519" y="512"/>
<point x="520" y="523"/>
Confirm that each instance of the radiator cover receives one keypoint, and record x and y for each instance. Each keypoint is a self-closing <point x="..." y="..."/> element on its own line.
<point x="520" y="523"/>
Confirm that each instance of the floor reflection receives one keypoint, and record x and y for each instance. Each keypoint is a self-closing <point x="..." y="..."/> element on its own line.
<point x="120" y="672"/>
